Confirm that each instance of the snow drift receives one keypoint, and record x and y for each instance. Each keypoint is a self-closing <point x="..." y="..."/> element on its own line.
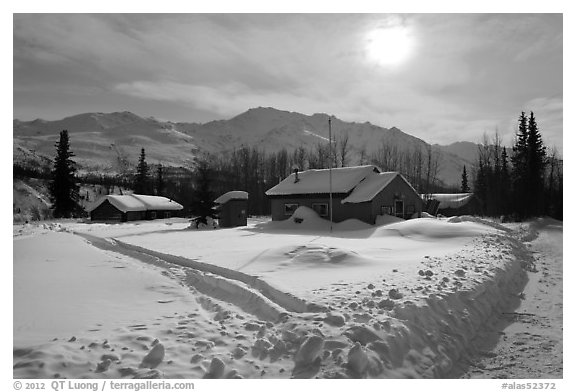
<point x="399" y="301"/>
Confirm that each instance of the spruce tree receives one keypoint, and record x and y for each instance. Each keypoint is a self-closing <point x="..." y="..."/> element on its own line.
<point x="63" y="188"/>
<point x="536" y="166"/>
<point x="203" y="205"/>
<point x="520" y="171"/>
<point x="481" y="184"/>
<point x="506" y="184"/>
<point x="141" y="185"/>
<point x="464" y="188"/>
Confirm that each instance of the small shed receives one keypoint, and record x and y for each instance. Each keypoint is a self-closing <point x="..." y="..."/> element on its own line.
<point x="455" y="204"/>
<point x="232" y="209"/>
<point x="123" y="208"/>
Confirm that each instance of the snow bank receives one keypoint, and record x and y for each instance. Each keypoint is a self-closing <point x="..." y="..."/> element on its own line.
<point x="435" y="229"/>
<point x="305" y="218"/>
<point x="487" y="222"/>
<point x="422" y="214"/>
<point x="399" y="301"/>
<point x="116" y="229"/>
<point x="382" y="220"/>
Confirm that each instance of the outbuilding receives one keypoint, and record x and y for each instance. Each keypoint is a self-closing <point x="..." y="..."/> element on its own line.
<point x="232" y="209"/>
<point x="455" y="204"/>
<point x="122" y="208"/>
<point x="359" y="192"/>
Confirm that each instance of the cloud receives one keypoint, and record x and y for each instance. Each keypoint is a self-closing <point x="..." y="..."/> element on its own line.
<point x="225" y="99"/>
<point x="365" y="103"/>
<point x="73" y="39"/>
<point x="467" y="73"/>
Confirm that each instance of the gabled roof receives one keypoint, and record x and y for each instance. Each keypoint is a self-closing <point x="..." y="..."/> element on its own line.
<point x="370" y="187"/>
<point x="158" y="202"/>
<point x="450" y="200"/>
<point x="316" y="181"/>
<point x="232" y="195"/>
<point x="362" y="183"/>
<point x="135" y="202"/>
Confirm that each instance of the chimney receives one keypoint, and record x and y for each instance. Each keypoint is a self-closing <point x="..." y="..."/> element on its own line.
<point x="296" y="179"/>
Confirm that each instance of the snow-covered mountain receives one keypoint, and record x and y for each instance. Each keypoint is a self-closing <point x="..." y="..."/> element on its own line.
<point x="468" y="151"/>
<point x="106" y="141"/>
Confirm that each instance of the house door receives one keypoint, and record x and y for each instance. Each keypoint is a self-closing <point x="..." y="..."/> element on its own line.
<point x="399" y="208"/>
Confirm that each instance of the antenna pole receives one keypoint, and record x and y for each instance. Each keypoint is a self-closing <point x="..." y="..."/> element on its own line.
<point x="330" y="166"/>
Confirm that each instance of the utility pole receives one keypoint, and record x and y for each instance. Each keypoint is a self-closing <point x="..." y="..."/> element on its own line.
<point x="330" y="166"/>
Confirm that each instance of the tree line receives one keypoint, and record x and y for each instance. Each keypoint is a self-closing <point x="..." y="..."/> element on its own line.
<point x="521" y="182"/>
<point x="250" y="169"/>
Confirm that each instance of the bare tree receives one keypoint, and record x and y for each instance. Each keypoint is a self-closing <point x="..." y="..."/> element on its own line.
<point x="299" y="157"/>
<point x="343" y="149"/>
<point x="417" y="167"/>
<point x="363" y="155"/>
<point x="319" y="158"/>
<point x="432" y="166"/>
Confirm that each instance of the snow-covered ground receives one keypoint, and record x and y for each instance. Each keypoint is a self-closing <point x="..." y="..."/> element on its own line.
<point x="271" y="300"/>
<point x="527" y="342"/>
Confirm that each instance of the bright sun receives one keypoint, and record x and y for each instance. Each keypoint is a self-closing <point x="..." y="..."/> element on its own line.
<point x="389" y="46"/>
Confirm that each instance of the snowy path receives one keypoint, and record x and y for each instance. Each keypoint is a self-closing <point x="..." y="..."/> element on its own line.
<point x="527" y="341"/>
<point x="377" y="290"/>
<point x="245" y="291"/>
<point x="83" y="311"/>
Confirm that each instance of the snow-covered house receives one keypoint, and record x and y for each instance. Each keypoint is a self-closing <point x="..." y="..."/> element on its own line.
<point x="232" y="209"/>
<point x="454" y="204"/>
<point x="360" y="192"/>
<point x="122" y="208"/>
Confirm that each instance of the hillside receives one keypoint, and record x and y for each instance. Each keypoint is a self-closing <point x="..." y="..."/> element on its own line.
<point x="110" y="141"/>
<point x="31" y="198"/>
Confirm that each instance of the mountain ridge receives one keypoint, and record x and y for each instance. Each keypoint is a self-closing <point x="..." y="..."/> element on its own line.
<point x="102" y="141"/>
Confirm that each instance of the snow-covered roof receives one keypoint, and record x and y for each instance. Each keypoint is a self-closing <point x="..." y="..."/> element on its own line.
<point x="450" y="200"/>
<point x="158" y="202"/>
<point x="370" y="187"/>
<point x="232" y="195"/>
<point x="124" y="203"/>
<point x="135" y="202"/>
<point x="316" y="181"/>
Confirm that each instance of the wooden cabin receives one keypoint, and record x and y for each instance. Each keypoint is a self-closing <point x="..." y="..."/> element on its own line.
<point x="123" y="208"/>
<point x="359" y="192"/>
<point x="455" y="204"/>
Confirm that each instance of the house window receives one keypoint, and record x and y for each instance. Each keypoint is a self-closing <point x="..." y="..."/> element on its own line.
<point x="386" y="210"/>
<point x="289" y="208"/>
<point x="153" y="215"/>
<point x="167" y="214"/>
<point x="320" y="208"/>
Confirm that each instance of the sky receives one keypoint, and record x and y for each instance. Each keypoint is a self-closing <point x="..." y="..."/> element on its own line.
<point x="441" y="77"/>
